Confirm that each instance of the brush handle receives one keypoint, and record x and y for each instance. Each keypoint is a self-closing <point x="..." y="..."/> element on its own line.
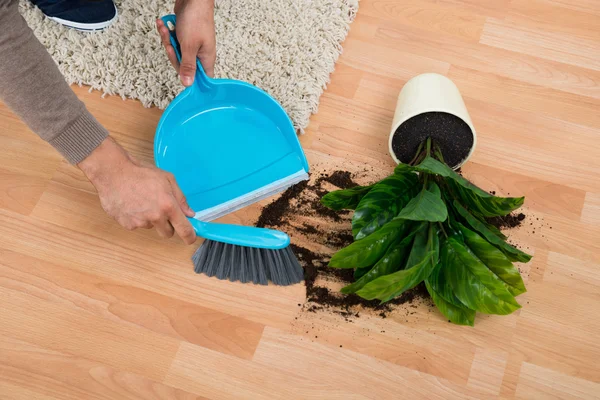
<point x="240" y="235"/>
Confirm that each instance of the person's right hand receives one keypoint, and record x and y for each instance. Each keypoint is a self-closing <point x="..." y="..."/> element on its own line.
<point x="137" y="195"/>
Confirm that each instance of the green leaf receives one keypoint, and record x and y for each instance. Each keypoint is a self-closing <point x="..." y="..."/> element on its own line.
<point x="494" y="230"/>
<point x="403" y="169"/>
<point x="447" y="197"/>
<point x="359" y="272"/>
<point x="389" y="286"/>
<point x="419" y="245"/>
<point x="440" y="285"/>
<point x="426" y="206"/>
<point x="473" y="283"/>
<point x="383" y="203"/>
<point x="511" y="252"/>
<point x="456" y="314"/>
<point x="495" y="260"/>
<point x="390" y="262"/>
<point x="476" y="199"/>
<point x="366" y="252"/>
<point x="346" y="198"/>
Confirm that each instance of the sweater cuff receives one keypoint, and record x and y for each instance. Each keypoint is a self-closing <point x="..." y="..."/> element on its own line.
<point x="81" y="138"/>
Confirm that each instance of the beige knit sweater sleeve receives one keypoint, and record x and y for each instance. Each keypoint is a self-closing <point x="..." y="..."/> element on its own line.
<point x="33" y="87"/>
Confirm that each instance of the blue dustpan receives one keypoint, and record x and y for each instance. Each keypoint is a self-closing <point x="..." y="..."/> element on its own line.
<point x="229" y="144"/>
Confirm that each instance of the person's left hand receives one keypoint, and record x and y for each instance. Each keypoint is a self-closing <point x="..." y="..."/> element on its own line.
<point x="195" y="32"/>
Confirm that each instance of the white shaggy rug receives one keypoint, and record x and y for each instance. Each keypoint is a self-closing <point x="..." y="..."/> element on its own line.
<point x="286" y="47"/>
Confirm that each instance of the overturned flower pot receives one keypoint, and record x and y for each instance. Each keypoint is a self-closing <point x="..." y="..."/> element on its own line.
<point x="425" y="223"/>
<point x="430" y="106"/>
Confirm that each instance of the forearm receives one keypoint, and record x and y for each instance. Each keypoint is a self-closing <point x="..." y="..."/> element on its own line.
<point x="33" y="87"/>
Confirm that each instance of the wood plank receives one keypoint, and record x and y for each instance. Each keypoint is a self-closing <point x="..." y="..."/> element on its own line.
<point x="591" y="209"/>
<point x="379" y="379"/>
<point x="341" y="144"/>
<point x="487" y="371"/>
<point x="547" y="16"/>
<point x="401" y="342"/>
<point x="564" y="340"/>
<point x="439" y="17"/>
<point x="27" y="371"/>
<point x="64" y="329"/>
<point x="309" y="370"/>
<point x="483" y="8"/>
<point x="527" y="67"/>
<point x="380" y="91"/>
<point x="572" y="238"/>
<point x="533" y="99"/>
<point x="562" y="270"/>
<point x="540" y="196"/>
<point x="392" y="63"/>
<point x="19" y="192"/>
<point x="539" y="382"/>
<point x="561" y="47"/>
<point x="345" y="80"/>
<point x="198" y="370"/>
<point x="125" y="304"/>
<point x="538" y="265"/>
<point x="526" y="143"/>
<point x="561" y="235"/>
<point x="511" y="375"/>
<point x="588" y="6"/>
<point x="370" y="120"/>
<point x="26" y="166"/>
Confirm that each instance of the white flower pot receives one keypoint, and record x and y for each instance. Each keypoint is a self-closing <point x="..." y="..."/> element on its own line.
<point x="430" y="93"/>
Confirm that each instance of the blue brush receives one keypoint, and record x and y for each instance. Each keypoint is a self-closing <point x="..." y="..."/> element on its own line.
<point x="230" y="144"/>
<point x="246" y="254"/>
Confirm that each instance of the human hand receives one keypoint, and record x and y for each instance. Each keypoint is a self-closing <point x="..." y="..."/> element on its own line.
<point x="195" y="32"/>
<point x="138" y="195"/>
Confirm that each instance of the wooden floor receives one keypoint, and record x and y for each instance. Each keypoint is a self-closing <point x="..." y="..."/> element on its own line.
<point x="91" y="311"/>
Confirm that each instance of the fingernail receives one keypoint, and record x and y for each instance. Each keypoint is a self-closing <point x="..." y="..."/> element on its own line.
<point x="186" y="80"/>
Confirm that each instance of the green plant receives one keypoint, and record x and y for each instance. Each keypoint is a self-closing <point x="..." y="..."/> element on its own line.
<point x="427" y="223"/>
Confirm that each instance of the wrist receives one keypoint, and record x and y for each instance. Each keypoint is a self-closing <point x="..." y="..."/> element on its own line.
<point x="104" y="162"/>
<point x="209" y="5"/>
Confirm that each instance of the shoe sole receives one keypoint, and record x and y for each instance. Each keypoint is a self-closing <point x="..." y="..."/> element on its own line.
<point x="98" y="26"/>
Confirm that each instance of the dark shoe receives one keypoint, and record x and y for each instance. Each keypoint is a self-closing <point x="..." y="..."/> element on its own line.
<point x="84" y="15"/>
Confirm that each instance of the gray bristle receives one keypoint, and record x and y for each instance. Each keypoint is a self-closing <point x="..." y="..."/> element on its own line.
<point x="223" y="264"/>
<point x="212" y="258"/>
<point x="247" y="264"/>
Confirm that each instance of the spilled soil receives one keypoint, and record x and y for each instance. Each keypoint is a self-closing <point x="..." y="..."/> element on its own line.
<point x="509" y="221"/>
<point x="317" y="233"/>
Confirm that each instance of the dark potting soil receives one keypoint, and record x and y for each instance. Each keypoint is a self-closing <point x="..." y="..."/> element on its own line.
<point x="272" y="214"/>
<point x="449" y="132"/>
<point x="323" y="211"/>
<point x="341" y="179"/>
<point x="308" y="229"/>
<point x="509" y="221"/>
<point x="299" y="210"/>
<point x="326" y="298"/>
<point x="303" y="200"/>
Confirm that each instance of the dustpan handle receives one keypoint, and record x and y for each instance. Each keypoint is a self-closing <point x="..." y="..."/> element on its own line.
<point x="201" y="77"/>
<point x="240" y="235"/>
